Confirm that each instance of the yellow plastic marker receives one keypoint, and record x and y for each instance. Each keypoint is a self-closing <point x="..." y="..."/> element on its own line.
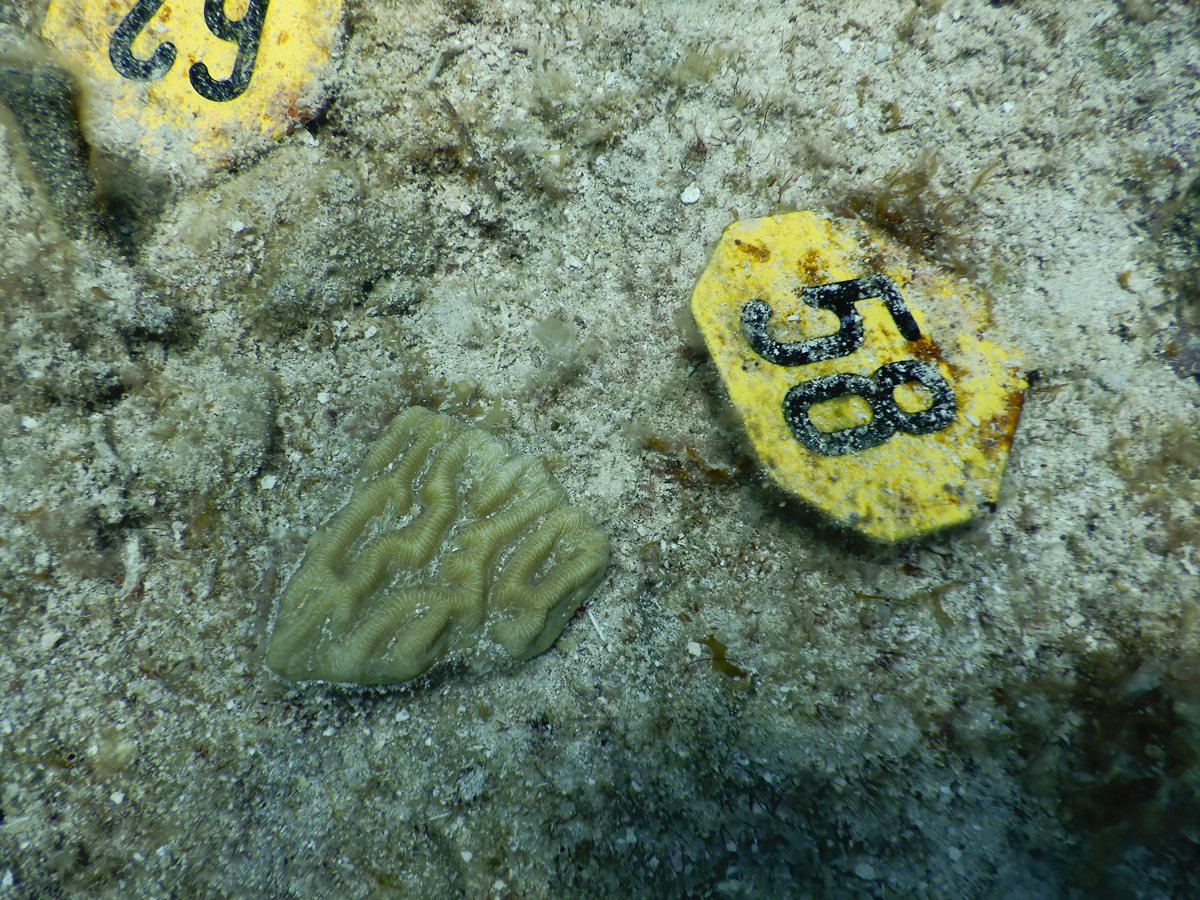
<point x="860" y="372"/>
<point x="192" y="84"/>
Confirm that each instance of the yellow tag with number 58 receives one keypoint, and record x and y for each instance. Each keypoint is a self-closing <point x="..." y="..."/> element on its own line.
<point x="860" y="372"/>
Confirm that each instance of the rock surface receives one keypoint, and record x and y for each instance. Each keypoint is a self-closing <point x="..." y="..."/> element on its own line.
<point x="486" y="220"/>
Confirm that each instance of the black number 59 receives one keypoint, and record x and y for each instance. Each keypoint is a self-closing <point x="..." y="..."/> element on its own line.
<point x="245" y="32"/>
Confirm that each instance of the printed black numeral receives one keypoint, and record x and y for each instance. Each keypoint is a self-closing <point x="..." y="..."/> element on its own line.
<point x="245" y="32"/>
<point x="838" y="297"/>
<point x="120" y="48"/>
<point x="878" y="390"/>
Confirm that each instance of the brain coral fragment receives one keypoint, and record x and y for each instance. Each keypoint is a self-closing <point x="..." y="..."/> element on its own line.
<point x="447" y="532"/>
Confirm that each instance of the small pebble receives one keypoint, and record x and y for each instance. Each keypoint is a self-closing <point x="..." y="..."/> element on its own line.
<point x="50" y="638"/>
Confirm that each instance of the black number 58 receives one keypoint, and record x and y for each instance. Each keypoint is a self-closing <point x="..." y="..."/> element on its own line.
<point x="878" y="389"/>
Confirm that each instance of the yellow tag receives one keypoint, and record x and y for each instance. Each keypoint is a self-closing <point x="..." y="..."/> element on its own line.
<point x="192" y="84"/>
<point x="860" y="372"/>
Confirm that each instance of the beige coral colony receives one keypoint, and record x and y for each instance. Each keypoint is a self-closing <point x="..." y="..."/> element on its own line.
<point x="448" y="535"/>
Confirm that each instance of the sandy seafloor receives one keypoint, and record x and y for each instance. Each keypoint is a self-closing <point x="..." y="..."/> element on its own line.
<point x="487" y="219"/>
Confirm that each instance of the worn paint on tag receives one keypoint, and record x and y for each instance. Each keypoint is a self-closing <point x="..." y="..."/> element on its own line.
<point x="860" y="372"/>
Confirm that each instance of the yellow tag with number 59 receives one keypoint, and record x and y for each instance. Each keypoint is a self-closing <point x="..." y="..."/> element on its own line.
<point x="192" y="84"/>
<point x="860" y="373"/>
